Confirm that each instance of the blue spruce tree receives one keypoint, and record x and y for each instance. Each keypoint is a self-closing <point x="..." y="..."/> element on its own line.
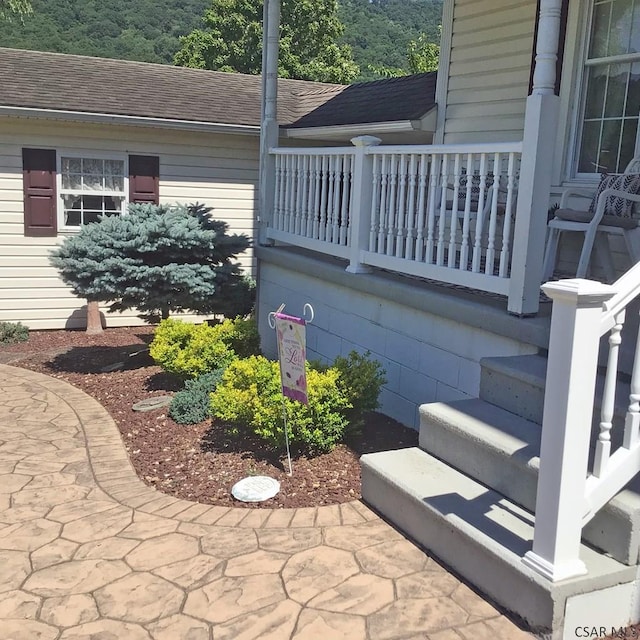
<point x="158" y="259"/>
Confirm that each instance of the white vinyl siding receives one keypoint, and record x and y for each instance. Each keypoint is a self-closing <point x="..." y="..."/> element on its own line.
<point x="218" y="170"/>
<point x="490" y="64"/>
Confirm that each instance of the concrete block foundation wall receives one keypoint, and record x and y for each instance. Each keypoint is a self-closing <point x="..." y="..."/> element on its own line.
<point x="429" y="343"/>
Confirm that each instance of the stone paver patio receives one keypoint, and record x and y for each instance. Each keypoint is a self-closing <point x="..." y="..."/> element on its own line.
<point x="88" y="552"/>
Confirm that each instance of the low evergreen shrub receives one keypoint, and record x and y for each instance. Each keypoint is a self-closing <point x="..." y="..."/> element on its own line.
<point x="249" y="397"/>
<point x="11" y="332"/>
<point x="191" y="405"/>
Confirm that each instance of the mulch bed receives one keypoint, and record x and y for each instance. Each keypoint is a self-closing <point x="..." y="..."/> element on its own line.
<point x="198" y="462"/>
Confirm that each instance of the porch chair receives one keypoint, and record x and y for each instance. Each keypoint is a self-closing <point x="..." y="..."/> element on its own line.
<point x="614" y="210"/>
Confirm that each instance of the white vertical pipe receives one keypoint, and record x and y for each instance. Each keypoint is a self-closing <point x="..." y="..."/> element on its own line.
<point x="269" y="111"/>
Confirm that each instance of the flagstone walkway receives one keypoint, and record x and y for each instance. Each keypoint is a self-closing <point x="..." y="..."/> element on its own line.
<point x="88" y="552"/>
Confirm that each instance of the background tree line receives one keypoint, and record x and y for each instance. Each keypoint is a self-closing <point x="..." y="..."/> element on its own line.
<point x="383" y="37"/>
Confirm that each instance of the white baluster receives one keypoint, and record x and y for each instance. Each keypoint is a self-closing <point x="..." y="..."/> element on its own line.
<point x="317" y="176"/>
<point x="345" y="200"/>
<point x="509" y="209"/>
<point x="288" y="193"/>
<point x="422" y="190"/>
<point x="466" y="220"/>
<point x="453" y="231"/>
<point x="443" y="210"/>
<point x="493" y="216"/>
<point x="299" y="181"/>
<point x="603" y="445"/>
<point x="278" y="205"/>
<point x="411" y="207"/>
<point x="477" y="245"/>
<point x="632" y="419"/>
<point x="401" y="206"/>
<point x="392" y="213"/>
<point x="431" y="220"/>
<point x="335" y="209"/>
<point x="323" y="201"/>
<point x="375" y="204"/>
<point x="384" y="209"/>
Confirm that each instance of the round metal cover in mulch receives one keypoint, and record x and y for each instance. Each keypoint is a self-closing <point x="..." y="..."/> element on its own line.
<point x="255" y="489"/>
<point x="157" y="402"/>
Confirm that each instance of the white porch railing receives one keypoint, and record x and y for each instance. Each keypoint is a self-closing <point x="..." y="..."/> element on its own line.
<point x="441" y="212"/>
<point x="570" y="491"/>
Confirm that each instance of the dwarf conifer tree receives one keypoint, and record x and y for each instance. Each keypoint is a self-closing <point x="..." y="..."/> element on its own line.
<point x="158" y="259"/>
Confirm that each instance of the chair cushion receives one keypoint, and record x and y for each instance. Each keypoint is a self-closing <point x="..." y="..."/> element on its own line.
<point x="614" y="205"/>
<point x="571" y="215"/>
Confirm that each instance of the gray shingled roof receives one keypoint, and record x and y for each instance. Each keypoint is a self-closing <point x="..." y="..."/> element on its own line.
<point x="389" y="100"/>
<point x="39" y="80"/>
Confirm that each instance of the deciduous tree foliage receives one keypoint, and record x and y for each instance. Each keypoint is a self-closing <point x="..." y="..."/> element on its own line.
<point x="10" y="8"/>
<point x="157" y="259"/>
<point x="231" y="40"/>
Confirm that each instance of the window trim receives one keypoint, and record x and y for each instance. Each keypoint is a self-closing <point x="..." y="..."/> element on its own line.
<point x="86" y="154"/>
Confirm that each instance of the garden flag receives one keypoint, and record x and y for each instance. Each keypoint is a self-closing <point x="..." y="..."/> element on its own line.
<point x="292" y="352"/>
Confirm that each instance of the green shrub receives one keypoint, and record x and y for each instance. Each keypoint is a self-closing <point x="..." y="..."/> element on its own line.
<point x="188" y="350"/>
<point x="13" y="332"/>
<point x="249" y="397"/>
<point x="191" y="405"/>
<point x="361" y="380"/>
<point x="241" y="336"/>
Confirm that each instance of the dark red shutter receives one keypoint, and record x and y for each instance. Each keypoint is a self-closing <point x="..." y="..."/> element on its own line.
<point x="39" y="181"/>
<point x="144" y="179"/>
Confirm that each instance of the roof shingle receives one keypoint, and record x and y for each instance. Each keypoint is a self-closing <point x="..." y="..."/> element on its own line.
<point x="63" y="82"/>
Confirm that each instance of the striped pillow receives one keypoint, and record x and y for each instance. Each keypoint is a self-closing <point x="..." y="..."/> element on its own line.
<point x="614" y="205"/>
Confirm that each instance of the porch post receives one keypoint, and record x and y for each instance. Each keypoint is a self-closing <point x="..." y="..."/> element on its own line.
<point x="360" y="215"/>
<point x="566" y="426"/>
<point x="540" y="131"/>
<point x="269" y="112"/>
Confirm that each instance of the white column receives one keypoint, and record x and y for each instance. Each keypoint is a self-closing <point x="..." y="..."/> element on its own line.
<point x="269" y="109"/>
<point x="566" y="426"/>
<point x="540" y="132"/>
<point x="360" y="218"/>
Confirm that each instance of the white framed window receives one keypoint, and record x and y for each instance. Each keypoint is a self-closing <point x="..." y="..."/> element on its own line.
<point x="607" y="131"/>
<point x="89" y="186"/>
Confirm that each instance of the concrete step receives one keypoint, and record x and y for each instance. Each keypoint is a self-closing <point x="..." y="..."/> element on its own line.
<point x="483" y="536"/>
<point x="501" y="450"/>
<point x="516" y="383"/>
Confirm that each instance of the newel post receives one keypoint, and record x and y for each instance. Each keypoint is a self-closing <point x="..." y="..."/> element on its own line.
<point x="566" y="426"/>
<point x="360" y="217"/>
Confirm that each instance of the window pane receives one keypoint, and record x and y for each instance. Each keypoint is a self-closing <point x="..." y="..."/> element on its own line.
<point x="610" y="145"/>
<point x="621" y="21"/>
<point x="71" y="165"/>
<point x="91" y="216"/>
<point x="617" y="90"/>
<point x="72" y="181"/>
<point x="114" y="167"/>
<point x="114" y="183"/>
<point x="596" y="91"/>
<point x="589" y="146"/>
<point x="627" y="151"/>
<point x="633" y="95"/>
<point x="600" y="30"/>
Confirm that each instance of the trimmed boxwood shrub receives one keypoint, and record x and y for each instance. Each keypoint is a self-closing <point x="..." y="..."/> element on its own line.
<point x="188" y="350"/>
<point x="249" y="397"/>
<point x="361" y="378"/>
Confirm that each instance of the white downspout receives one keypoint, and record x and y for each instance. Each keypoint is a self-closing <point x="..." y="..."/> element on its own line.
<point x="269" y="114"/>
